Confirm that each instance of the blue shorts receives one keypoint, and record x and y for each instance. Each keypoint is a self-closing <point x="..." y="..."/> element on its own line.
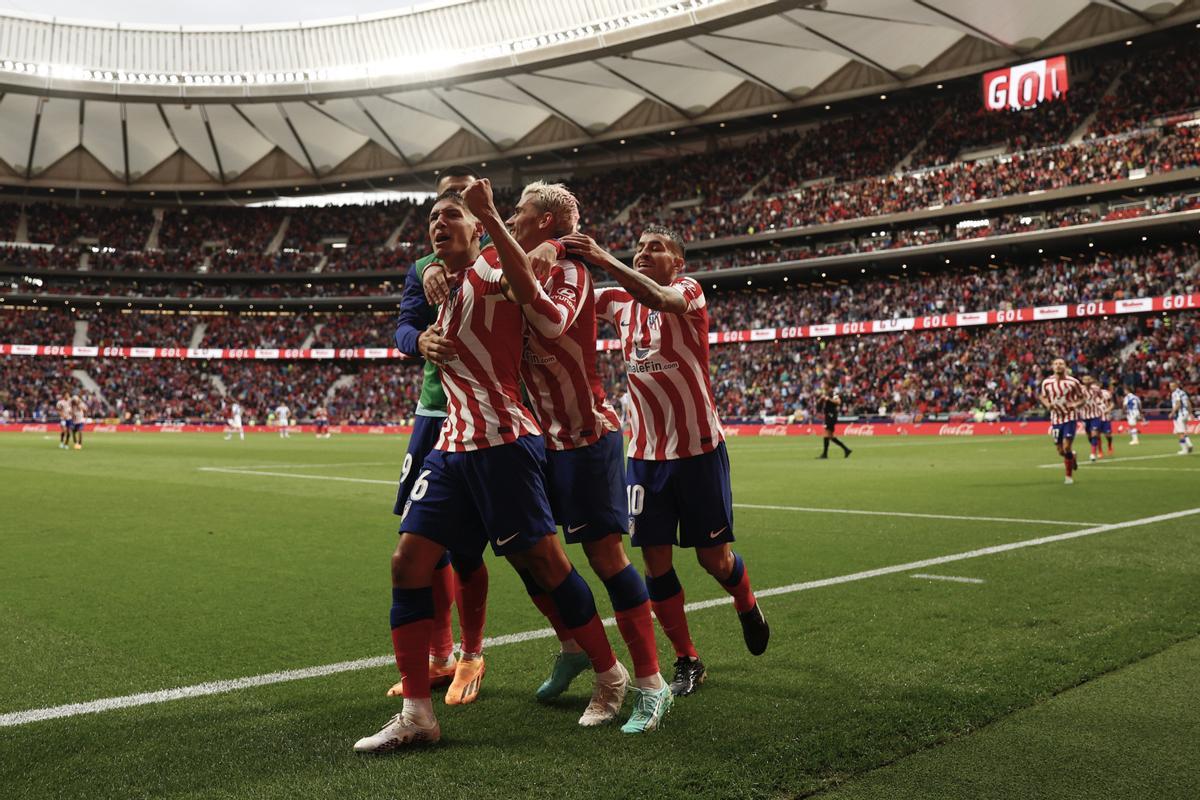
<point x="692" y="495"/>
<point x="424" y="436"/>
<point x="1106" y="427"/>
<point x="76" y="427"/>
<point x="587" y="489"/>
<point x="462" y="501"/>
<point x="1063" y="432"/>
<point x="65" y="424"/>
<point x="1091" y="425"/>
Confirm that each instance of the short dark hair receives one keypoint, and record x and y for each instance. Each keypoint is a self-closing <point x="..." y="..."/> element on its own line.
<point x="674" y="238"/>
<point x="452" y="196"/>
<point x="459" y="171"/>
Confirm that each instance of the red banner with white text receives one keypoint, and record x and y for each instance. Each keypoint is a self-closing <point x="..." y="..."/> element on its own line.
<point x="1042" y="428"/>
<point x="1099" y="308"/>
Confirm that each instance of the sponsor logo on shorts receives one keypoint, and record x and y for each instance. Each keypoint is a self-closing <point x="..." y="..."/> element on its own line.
<point x="574" y="528"/>
<point x="715" y="534"/>
<point x="506" y="540"/>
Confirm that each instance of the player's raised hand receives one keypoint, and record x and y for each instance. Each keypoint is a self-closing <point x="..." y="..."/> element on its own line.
<point x="541" y="259"/>
<point x="435" y="347"/>
<point x="583" y="246"/>
<point x="433" y="281"/>
<point x="478" y="197"/>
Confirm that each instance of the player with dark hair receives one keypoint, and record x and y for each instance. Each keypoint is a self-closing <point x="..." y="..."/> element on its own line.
<point x="484" y="480"/>
<point x="321" y="420"/>
<point x="829" y="404"/>
<point x="1063" y="395"/>
<point x="466" y="585"/>
<point x="63" y="407"/>
<point x="1092" y="412"/>
<point x="1181" y="415"/>
<point x="679" y="491"/>
<point x="78" y="415"/>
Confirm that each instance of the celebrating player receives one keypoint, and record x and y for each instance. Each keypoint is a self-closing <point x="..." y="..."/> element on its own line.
<point x="1107" y="404"/>
<point x="829" y="404"/>
<point x="466" y="584"/>
<point x="1181" y="415"/>
<point x="78" y="415"/>
<point x="585" y="463"/>
<point x="233" y="424"/>
<point x="1063" y="395"/>
<point x="483" y="481"/>
<point x="63" y="407"/>
<point x="1092" y="412"/>
<point x="321" y="419"/>
<point x="1133" y="413"/>
<point x="678" y="470"/>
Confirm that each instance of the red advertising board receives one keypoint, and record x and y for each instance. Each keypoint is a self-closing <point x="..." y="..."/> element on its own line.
<point x="1025" y="85"/>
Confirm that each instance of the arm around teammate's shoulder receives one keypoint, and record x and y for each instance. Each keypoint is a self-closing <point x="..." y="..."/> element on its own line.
<point x="641" y="288"/>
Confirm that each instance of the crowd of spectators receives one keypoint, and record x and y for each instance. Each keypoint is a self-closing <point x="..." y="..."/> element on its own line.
<point x="1092" y="162"/>
<point x="1155" y="84"/>
<point x="191" y="229"/>
<point x="966" y="124"/>
<point x="61" y="224"/>
<point x="912" y="376"/>
<point x="367" y="226"/>
<point x="29" y="387"/>
<point x="37" y="325"/>
<point x="1136" y="272"/>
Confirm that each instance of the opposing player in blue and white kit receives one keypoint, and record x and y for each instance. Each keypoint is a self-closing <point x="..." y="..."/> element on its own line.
<point x="1181" y="415"/>
<point x="233" y="423"/>
<point x="1133" y="413"/>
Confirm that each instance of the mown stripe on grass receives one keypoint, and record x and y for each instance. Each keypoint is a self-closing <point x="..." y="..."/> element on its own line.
<point x="222" y="687"/>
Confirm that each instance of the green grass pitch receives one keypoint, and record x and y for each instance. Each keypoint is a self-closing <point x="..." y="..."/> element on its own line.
<point x="149" y="562"/>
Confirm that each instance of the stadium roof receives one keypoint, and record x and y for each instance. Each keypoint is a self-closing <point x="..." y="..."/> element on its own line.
<point x="142" y="107"/>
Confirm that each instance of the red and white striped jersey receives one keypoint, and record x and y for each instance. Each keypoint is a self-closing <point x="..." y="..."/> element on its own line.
<point x="1097" y="404"/>
<point x="559" y="368"/>
<point x="1060" y="392"/>
<point x="482" y="384"/>
<point x="666" y="358"/>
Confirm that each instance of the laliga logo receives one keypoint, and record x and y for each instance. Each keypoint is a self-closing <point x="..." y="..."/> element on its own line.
<point x="1025" y="85"/>
<point x="956" y="430"/>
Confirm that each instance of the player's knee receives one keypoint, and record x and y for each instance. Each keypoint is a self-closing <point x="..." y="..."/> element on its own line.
<point x="606" y="556"/>
<point x="716" y="561"/>
<point x="547" y="562"/>
<point x="658" y="560"/>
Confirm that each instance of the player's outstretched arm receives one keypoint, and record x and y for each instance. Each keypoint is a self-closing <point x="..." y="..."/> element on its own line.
<point x="513" y="260"/>
<point x="641" y="288"/>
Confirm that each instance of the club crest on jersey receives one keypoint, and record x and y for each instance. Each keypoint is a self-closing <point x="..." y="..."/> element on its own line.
<point x="654" y="320"/>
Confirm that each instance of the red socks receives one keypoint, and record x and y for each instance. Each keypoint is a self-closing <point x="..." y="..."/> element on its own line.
<point x="545" y="604"/>
<point x="441" y="644"/>
<point x="594" y="641"/>
<point x="674" y="624"/>
<point x="411" y="643"/>
<point x="738" y="586"/>
<point x="638" y="632"/>
<point x="472" y="608"/>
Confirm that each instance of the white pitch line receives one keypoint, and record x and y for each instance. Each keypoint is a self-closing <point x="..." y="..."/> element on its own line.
<point x="296" y="475"/>
<point x="323" y="464"/>
<point x="232" y="471"/>
<point x="913" y="514"/>
<point x="953" y="578"/>
<point x="1152" y="469"/>
<point x="1104" y="461"/>
<point x="222" y="687"/>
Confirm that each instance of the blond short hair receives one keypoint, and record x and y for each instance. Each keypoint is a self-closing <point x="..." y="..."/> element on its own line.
<point x="558" y="201"/>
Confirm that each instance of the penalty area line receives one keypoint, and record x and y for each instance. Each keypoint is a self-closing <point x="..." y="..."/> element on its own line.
<point x="222" y="687"/>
